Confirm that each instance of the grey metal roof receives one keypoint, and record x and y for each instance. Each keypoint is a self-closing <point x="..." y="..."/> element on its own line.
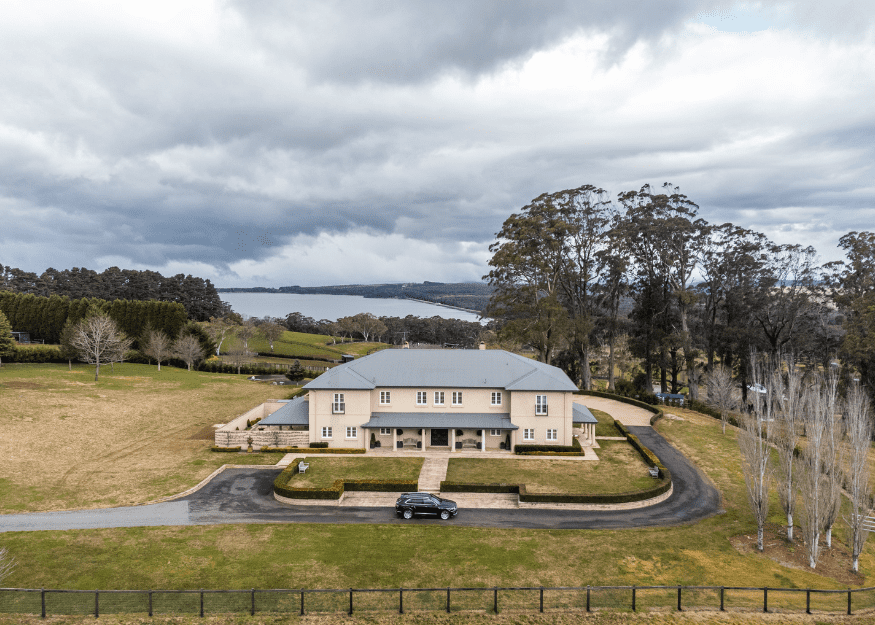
<point x="444" y="368"/>
<point x="581" y="414"/>
<point x="452" y="420"/>
<point x="295" y="412"/>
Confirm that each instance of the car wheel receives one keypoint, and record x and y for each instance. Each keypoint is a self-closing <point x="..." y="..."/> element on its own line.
<point x="445" y="514"/>
<point x="408" y="514"/>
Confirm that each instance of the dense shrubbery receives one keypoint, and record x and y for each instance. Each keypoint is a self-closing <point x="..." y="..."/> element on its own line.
<point x="36" y="354"/>
<point x="319" y="445"/>
<point x="529" y="449"/>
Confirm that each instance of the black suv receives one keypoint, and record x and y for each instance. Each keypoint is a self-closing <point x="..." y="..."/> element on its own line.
<point x="409" y="504"/>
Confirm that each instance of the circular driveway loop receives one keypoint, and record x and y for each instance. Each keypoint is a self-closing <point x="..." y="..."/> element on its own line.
<point x="246" y="496"/>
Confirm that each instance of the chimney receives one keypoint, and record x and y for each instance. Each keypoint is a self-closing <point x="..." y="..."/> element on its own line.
<point x="482" y="345"/>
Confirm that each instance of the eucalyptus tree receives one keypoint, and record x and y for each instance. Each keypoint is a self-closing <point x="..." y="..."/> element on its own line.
<point x="786" y="436"/>
<point x="527" y="263"/>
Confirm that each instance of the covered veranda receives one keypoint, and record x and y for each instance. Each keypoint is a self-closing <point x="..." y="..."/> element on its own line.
<point x="401" y="431"/>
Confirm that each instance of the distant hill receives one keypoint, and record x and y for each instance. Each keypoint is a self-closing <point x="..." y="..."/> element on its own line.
<point x="473" y="296"/>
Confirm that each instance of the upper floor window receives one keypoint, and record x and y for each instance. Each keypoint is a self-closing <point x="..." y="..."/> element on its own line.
<point x="421" y="398"/>
<point x="541" y="404"/>
<point x="339" y="405"/>
<point x="438" y="398"/>
<point x="385" y="397"/>
<point x="496" y="398"/>
<point x="457" y="398"/>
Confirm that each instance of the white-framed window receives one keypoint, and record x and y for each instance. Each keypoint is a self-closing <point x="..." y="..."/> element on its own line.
<point x="326" y="432"/>
<point x="421" y="398"/>
<point x="339" y="404"/>
<point x="528" y="434"/>
<point x="438" y="398"/>
<point x="496" y="398"/>
<point x="494" y="432"/>
<point x="541" y="404"/>
<point x="457" y="398"/>
<point x="385" y="431"/>
<point x="385" y="397"/>
<point x="552" y="435"/>
<point x="351" y="432"/>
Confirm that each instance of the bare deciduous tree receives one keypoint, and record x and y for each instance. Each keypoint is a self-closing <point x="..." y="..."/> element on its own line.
<point x="859" y="437"/>
<point x="721" y="390"/>
<point x="98" y="341"/>
<point x="188" y="349"/>
<point x="786" y="436"/>
<point x="832" y="459"/>
<point x="157" y="346"/>
<point x="218" y="328"/>
<point x="755" y="454"/>
<point x="7" y="563"/>
<point x="812" y="489"/>
<point x="271" y="331"/>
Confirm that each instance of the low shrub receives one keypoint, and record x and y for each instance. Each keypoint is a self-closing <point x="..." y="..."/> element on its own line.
<point x="462" y="487"/>
<point x="336" y="490"/>
<point x="527" y="449"/>
<point x="640" y="495"/>
<point x="321" y="450"/>
<point x="225" y="449"/>
<point x="551" y="453"/>
<point x="36" y="353"/>
<point x="319" y="445"/>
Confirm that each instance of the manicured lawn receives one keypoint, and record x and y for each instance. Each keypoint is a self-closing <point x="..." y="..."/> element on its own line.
<point x="605" y="425"/>
<point x="135" y="435"/>
<point x="325" y="470"/>
<point x="619" y="469"/>
<point x="312" y="345"/>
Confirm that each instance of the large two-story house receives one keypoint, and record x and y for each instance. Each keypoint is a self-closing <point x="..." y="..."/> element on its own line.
<point x="442" y="399"/>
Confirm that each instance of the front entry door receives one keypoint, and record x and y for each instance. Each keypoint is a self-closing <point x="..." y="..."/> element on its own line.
<point x="440" y="438"/>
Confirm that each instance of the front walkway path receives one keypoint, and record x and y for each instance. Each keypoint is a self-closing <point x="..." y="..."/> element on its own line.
<point x="434" y="471"/>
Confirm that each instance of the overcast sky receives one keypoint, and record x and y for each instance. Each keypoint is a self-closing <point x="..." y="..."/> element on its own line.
<point x="357" y="142"/>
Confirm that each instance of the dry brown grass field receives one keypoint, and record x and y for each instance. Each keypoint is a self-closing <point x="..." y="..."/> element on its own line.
<point x="134" y="436"/>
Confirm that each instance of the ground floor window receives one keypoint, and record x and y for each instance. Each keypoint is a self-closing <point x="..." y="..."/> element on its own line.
<point x="494" y="432"/>
<point x="385" y="431"/>
<point x="551" y="435"/>
<point x="351" y="432"/>
<point x="326" y="432"/>
<point x="528" y="434"/>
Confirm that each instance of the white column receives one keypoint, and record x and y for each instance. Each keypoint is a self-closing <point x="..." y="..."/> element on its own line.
<point x="483" y="438"/>
<point x="424" y="434"/>
<point x="394" y="439"/>
<point x="453" y="439"/>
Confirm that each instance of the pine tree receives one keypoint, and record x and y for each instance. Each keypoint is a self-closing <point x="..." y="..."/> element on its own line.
<point x="7" y="343"/>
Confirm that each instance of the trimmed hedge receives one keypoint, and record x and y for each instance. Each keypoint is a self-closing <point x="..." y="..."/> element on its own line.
<point x="322" y="450"/>
<point x="648" y="456"/>
<point x="529" y="449"/>
<point x="226" y="449"/>
<point x="36" y="353"/>
<point x="550" y="453"/>
<point x="319" y="445"/>
<point x="526" y="497"/>
<point x="281" y="487"/>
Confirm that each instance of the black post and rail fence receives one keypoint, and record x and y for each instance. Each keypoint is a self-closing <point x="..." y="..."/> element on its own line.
<point x="51" y="602"/>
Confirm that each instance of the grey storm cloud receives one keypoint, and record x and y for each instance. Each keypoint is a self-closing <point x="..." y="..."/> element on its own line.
<point x="207" y="137"/>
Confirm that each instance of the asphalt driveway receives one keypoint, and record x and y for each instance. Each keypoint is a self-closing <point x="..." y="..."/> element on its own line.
<point x="246" y="496"/>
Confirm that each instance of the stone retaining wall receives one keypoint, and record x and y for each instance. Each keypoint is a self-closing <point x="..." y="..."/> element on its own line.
<point x="260" y="438"/>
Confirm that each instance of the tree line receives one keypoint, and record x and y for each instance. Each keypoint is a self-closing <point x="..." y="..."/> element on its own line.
<point x="198" y="296"/>
<point x="393" y="330"/>
<point x="702" y="292"/>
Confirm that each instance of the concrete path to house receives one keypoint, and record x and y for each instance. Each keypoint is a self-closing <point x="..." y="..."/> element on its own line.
<point x="626" y="414"/>
<point x="245" y="495"/>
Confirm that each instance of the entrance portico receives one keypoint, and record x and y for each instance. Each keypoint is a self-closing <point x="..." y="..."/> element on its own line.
<point x="441" y="431"/>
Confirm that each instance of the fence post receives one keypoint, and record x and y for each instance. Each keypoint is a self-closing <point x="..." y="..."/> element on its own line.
<point x="633" y="598"/>
<point x="302" y="602"/>
<point x="43" y="599"/>
<point x="448" y="600"/>
<point x="202" y="602"/>
<point x="252" y="607"/>
<point x="96" y="603"/>
<point x="679" y="599"/>
<point x="849" y="600"/>
<point x="400" y="601"/>
<point x="541" y="604"/>
<point x="587" y="597"/>
<point x="765" y="599"/>
<point x="150" y="603"/>
<point x="495" y="599"/>
<point x="722" y="590"/>
<point x="350" y="601"/>
<point x="808" y="601"/>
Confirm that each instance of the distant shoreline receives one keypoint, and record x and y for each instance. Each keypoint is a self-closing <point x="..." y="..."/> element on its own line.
<point x="413" y="299"/>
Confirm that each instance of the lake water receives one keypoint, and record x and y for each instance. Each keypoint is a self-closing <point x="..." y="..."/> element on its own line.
<point x="333" y="307"/>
